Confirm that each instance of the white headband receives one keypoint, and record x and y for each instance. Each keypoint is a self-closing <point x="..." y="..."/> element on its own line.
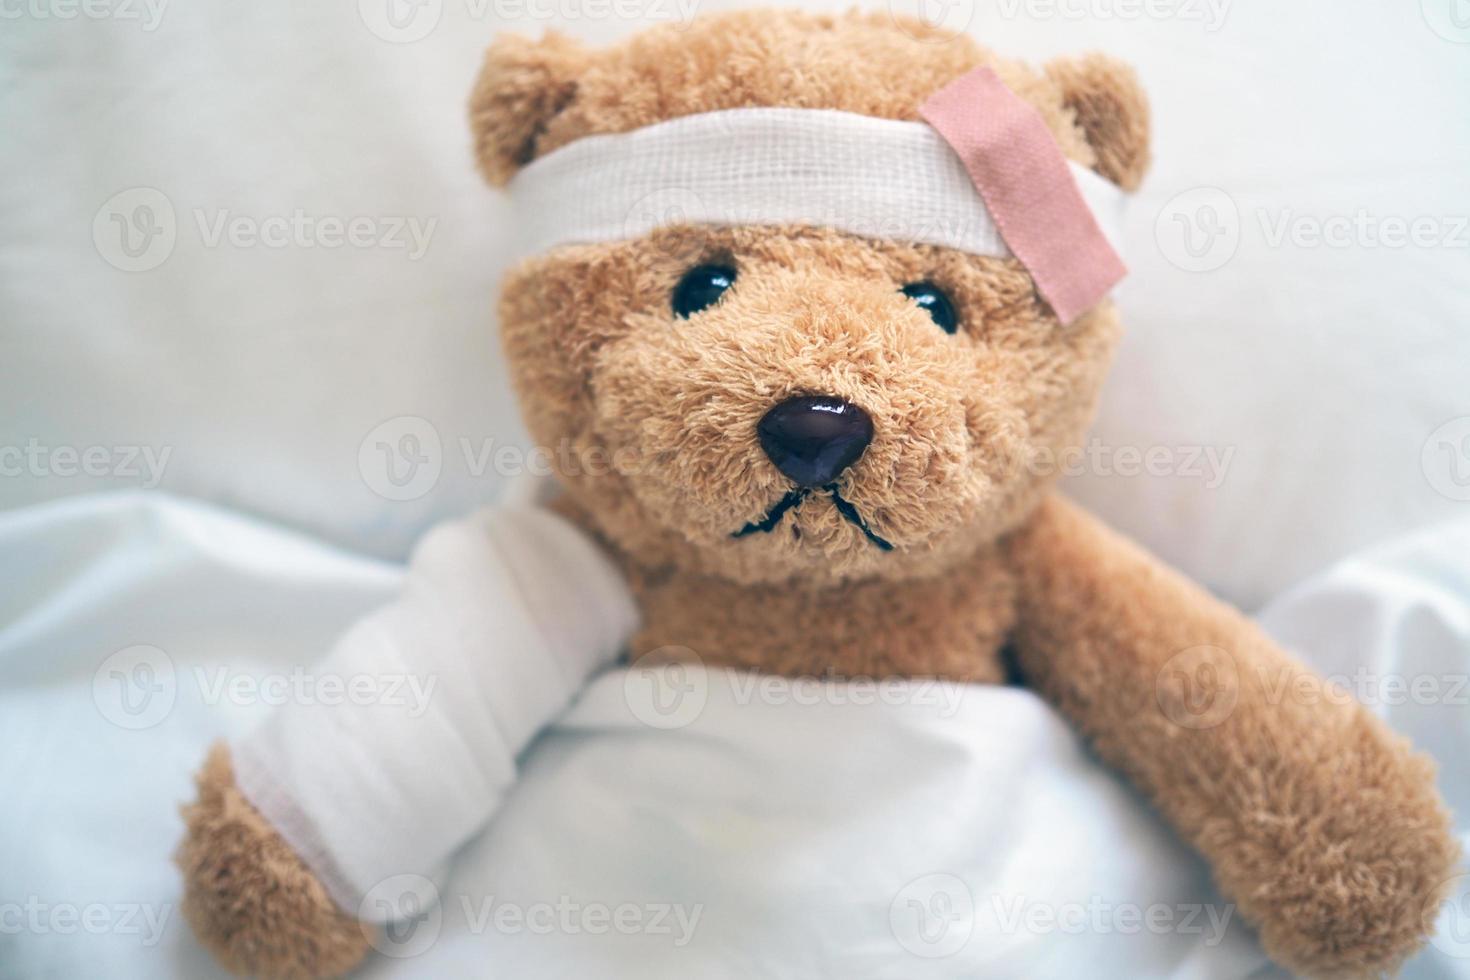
<point x="877" y="178"/>
<point x="873" y="177"/>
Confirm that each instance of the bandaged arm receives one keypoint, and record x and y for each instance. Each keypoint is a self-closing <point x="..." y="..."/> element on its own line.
<point x="503" y="618"/>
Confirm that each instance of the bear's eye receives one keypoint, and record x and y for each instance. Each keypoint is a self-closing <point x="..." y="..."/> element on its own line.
<point x="935" y="303"/>
<point x="701" y="287"/>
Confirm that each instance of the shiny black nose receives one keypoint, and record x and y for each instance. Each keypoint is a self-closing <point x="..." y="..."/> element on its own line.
<point x="812" y="439"/>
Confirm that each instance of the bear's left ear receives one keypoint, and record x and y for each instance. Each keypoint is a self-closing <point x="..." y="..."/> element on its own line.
<point x="522" y="86"/>
<point x="1111" y="110"/>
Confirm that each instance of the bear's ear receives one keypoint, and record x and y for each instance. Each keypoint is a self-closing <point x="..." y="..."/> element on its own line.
<point x="1111" y="110"/>
<point x="523" y="84"/>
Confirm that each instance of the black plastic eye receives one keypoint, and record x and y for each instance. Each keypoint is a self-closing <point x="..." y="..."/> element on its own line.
<point x="701" y="287"/>
<point x="935" y="303"/>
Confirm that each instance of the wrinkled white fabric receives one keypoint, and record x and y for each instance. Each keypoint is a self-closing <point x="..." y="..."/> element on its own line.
<point x="879" y="178"/>
<point x="503" y="618"/>
<point x="803" y="834"/>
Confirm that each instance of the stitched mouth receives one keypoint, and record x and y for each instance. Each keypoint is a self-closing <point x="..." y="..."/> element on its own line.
<point x="793" y="500"/>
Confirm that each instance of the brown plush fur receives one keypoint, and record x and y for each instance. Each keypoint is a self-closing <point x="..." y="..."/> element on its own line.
<point x="1320" y="824"/>
<point x="658" y="415"/>
<point x="247" y="895"/>
<point x="533" y="97"/>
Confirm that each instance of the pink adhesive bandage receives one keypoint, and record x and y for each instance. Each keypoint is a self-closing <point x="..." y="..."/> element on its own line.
<point x="1027" y="184"/>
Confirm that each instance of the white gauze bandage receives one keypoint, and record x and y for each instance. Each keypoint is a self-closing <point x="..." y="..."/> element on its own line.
<point x="981" y="175"/>
<point x="503" y="618"/>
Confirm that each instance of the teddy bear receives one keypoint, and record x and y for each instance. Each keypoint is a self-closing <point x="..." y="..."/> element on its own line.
<point x="823" y="447"/>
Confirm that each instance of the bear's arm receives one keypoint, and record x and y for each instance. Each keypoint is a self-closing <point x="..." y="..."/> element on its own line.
<point x="252" y="902"/>
<point x="351" y="804"/>
<point x="1320" y="823"/>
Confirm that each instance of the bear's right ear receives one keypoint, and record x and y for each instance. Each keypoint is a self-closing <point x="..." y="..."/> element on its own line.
<point x="522" y="86"/>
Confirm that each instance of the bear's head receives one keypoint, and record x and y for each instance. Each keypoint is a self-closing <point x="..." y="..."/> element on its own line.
<point x="782" y="402"/>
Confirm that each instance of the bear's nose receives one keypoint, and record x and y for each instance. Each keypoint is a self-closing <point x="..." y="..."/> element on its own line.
<point x="812" y="439"/>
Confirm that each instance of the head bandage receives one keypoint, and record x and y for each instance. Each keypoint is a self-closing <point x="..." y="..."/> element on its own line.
<point x="982" y="175"/>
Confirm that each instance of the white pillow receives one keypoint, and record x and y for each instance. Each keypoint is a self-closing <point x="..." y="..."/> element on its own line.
<point x="283" y="380"/>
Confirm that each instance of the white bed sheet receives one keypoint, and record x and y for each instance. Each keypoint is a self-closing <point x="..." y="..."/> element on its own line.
<point x="805" y="839"/>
